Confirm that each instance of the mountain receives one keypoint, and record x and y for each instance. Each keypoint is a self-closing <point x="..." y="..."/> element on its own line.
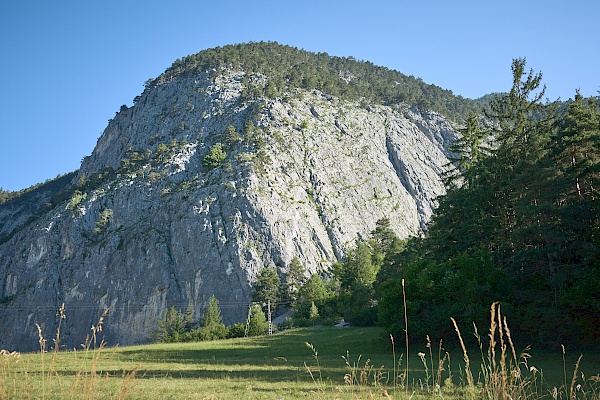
<point x="233" y="160"/>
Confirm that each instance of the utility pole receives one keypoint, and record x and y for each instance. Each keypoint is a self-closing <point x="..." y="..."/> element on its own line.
<point x="269" y="312"/>
<point x="248" y="320"/>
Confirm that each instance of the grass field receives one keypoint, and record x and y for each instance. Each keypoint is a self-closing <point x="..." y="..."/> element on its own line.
<point x="343" y="363"/>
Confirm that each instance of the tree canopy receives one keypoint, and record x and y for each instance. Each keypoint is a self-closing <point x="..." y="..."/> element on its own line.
<point x="526" y="222"/>
<point x="520" y="226"/>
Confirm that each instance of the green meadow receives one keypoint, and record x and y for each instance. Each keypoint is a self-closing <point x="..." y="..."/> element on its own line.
<point x="318" y="362"/>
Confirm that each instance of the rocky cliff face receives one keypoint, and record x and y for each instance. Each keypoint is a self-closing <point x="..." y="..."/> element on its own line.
<point x="152" y="224"/>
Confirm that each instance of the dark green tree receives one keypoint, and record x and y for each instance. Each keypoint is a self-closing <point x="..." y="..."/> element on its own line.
<point x="231" y="136"/>
<point x="574" y="268"/>
<point x="258" y="324"/>
<point x="294" y="278"/>
<point x="212" y="322"/>
<point x="578" y="147"/>
<point x="470" y="148"/>
<point x="314" y="290"/>
<point x="357" y="275"/>
<point x="528" y="217"/>
<point x="267" y="287"/>
<point x="170" y="326"/>
<point x="188" y="318"/>
<point x="383" y="238"/>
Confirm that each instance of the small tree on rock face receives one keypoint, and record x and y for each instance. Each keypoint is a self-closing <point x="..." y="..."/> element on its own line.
<point x="231" y="136"/>
<point x="215" y="156"/>
<point x="102" y="223"/>
<point x="161" y="152"/>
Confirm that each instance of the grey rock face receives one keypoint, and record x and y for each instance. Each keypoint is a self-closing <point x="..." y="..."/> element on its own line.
<point x="163" y="229"/>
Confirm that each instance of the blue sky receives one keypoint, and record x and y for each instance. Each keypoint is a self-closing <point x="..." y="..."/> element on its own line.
<point x="66" y="66"/>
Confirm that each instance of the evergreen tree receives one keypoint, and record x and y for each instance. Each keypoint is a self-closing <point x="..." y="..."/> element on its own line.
<point x="528" y="218"/>
<point x="294" y="278"/>
<point x="267" y="287"/>
<point x="523" y="126"/>
<point x="215" y="156"/>
<point x="230" y="136"/>
<point x="383" y="239"/>
<point x="579" y="147"/>
<point x="356" y="276"/>
<point x="188" y="318"/>
<point x="470" y="148"/>
<point x="170" y="326"/>
<point x="575" y="270"/>
<point x="314" y="291"/>
<point x="212" y="323"/>
<point x="258" y="322"/>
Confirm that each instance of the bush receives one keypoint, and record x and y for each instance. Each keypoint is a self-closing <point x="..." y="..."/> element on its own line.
<point x="236" y="330"/>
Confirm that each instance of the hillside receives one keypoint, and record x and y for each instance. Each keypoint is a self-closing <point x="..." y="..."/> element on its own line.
<point x="223" y="166"/>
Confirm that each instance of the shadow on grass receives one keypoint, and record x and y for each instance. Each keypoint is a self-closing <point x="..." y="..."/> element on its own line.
<point x="281" y="357"/>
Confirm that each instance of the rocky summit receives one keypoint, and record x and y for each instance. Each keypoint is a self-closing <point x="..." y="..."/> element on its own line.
<point x="208" y="178"/>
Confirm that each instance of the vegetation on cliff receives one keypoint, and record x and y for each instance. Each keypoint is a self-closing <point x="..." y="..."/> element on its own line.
<point x="288" y="67"/>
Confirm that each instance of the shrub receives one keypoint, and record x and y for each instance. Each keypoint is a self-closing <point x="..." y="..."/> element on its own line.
<point x="215" y="156"/>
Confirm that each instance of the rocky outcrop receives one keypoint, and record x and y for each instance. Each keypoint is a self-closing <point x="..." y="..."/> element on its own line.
<point x="151" y="225"/>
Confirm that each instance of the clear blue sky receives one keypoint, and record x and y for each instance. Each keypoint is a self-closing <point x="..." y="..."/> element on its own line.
<point x="66" y="66"/>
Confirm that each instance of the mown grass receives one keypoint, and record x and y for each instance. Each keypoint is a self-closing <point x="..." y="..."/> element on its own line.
<point x="327" y="363"/>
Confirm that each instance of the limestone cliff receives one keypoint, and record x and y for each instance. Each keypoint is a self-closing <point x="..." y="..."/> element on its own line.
<point x="150" y="223"/>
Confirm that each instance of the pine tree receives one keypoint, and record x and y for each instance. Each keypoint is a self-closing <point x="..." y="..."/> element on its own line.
<point x="212" y="322"/>
<point x="294" y="278"/>
<point x="215" y="156"/>
<point x="470" y="148"/>
<point x="170" y="326"/>
<point x="258" y="322"/>
<point x="267" y="287"/>
<point x="523" y="128"/>
<point x="579" y="147"/>
<point x="188" y="318"/>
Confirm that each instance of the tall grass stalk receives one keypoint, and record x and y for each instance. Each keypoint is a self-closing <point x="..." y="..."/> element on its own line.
<point x="468" y="372"/>
<point x="8" y="383"/>
<point x="394" y="358"/>
<point x="48" y="382"/>
<point x="405" y="335"/>
<point x="564" y="365"/>
<point x="42" y="343"/>
<point x="319" y="380"/>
